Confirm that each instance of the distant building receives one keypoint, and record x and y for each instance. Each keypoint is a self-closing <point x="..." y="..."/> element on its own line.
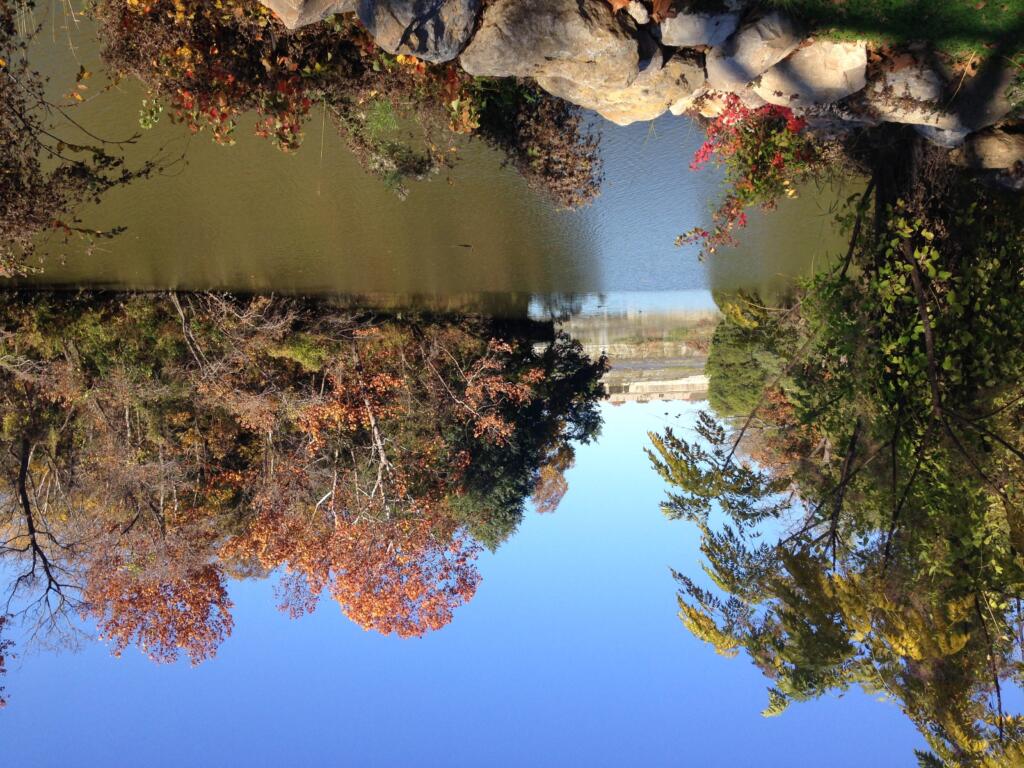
<point x="653" y="356"/>
<point x="687" y="388"/>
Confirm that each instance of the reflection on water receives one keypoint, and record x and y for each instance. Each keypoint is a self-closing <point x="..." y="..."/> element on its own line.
<point x="155" y="445"/>
<point x="250" y="218"/>
<point x="420" y="339"/>
<point x="878" y="445"/>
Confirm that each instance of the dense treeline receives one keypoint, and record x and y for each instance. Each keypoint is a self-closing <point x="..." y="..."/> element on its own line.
<point x="154" y="446"/>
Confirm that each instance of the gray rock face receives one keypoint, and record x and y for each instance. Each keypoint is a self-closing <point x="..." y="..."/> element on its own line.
<point x="830" y="127"/>
<point x="985" y="98"/>
<point x="912" y="94"/>
<point x="433" y="30"/>
<point x="712" y="103"/>
<point x="820" y="73"/>
<point x="943" y="137"/>
<point x="659" y="86"/>
<point x="752" y="50"/>
<point x="921" y="95"/>
<point x="917" y="82"/>
<point x="992" y="150"/>
<point x="692" y="29"/>
<point x="579" y="41"/>
<point x="300" y="13"/>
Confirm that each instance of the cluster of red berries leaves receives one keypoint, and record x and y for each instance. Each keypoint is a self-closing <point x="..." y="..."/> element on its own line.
<point x="764" y="151"/>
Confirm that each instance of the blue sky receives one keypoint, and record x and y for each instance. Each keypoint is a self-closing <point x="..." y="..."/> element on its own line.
<point x="571" y="654"/>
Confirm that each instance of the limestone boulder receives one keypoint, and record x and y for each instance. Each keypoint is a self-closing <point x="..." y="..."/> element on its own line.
<point x="820" y="73"/>
<point x="922" y="95"/>
<point x="300" y="13"/>
<point x="917" y="82"/>
<point x="987" y="98"/>
<point x="943" y="137"/>
<point x="911" y="94"/>
<point x="826" y="127"/>
<point x="576" y="41"/>
<point x="752" y="50"/>
<point x="660" y="85"/>
<point x="688" y="30"/>
<point x="638" y="12"/>
<point x="432" y="30"/>
<point x="711" y="103"/>
<point x="993" y="149"/>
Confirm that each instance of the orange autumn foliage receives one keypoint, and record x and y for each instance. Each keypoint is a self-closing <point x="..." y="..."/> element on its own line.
<point x="489" y="389"/>
<point x="393" y="576"/>
<point x="163" y="615"/>
<point x="551" y="483"/>
<point x="188" y="440"/>
<point x="349" y="405"/>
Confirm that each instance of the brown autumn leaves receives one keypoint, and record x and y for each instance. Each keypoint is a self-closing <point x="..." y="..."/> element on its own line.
<point x="155" y="446"/>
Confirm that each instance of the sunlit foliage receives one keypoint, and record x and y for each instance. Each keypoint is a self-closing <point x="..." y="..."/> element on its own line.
<point x="886" y="463"/>
<point x="155" y="445"/>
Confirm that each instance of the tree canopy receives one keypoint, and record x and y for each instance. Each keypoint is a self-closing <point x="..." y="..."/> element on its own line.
<point x="155" y="446"/>
<point x="861" y="525"/>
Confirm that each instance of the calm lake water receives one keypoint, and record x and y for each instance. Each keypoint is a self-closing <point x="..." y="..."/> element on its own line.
<point x="452" y="415"/>
<point x="245" y="218"/>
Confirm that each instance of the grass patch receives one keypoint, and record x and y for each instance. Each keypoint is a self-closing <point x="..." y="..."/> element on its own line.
<point x="956" y="27"/>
